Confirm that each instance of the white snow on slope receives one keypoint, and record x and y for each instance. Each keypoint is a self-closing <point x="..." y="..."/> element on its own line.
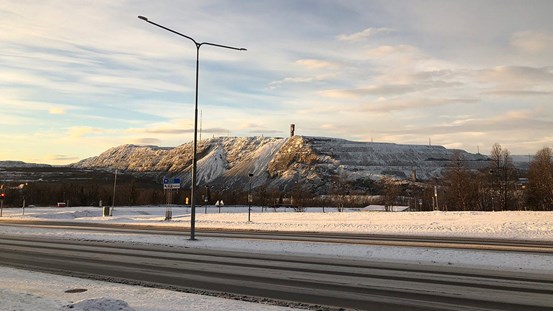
<point x="212" y="165"/>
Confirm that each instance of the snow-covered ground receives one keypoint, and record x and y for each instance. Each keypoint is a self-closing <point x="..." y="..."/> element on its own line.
<point x="34" y="291"/>
<point x="506" y="225"/>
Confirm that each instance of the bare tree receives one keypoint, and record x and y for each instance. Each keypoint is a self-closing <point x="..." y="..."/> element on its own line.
<point x="341" y="189"/>
<point x="502" y="176"/>
<point x="391" y="193"/>
<point x="540" y="180"/>
<point x="301" y="197"/>
<point x="462" y="185"/>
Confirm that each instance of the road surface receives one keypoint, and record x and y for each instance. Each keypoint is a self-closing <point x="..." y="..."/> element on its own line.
<point x="322" y="237"/>
<point x="333" y="283"/>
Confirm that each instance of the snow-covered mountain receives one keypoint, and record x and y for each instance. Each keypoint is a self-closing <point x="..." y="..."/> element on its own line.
<point x="10" y="164"/>
<point x="281" y="162"/>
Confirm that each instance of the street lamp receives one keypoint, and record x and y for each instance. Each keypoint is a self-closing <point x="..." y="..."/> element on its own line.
<point x="194" y="158"/>
<point x="113" y="201"/>
<point x="206" y="199"/>
<point x="250" y="198"/>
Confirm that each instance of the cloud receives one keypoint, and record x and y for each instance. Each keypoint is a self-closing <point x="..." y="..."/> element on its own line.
<point x="509" y="123"/>
<point x="400" y="104"/>
<point x="363" y="35"/>
<point x="515" y="80"/>
<point x="388" y="89"/>
<point x="370" y="90"/>
<point x="176" y="131"/>
<point x="56" y="110"/>
<point x="518" y="129"/>
<point x="170" y="131"/>
<point x="215" y="130"/>
<point x="249" y="125"/>
<point x="299" y="80"/>
<point x="62" y="158"/>
<point x="517" y="93"/>
<point x="315" y="64"/>
<point x="392" y="50"/>
<point x="265" y="132"/>
<point x="146" y="141"/>
<point x="329" y="126"/>
<point x="82" y="131"/>
<point x="533" y="42"/>
<point x="255" y="128"/>
<point x="517" y="74"/>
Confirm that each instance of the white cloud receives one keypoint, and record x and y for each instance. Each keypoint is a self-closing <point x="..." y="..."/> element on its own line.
<point x="363" y="35"/>
<point x="82" y="131"/>
<point x="56" y="110"/>
<point x="316" y="64"/>
<point x="418" y="103"/>
<point x="62" y="158"/>
<point x="146" y="141"/>
<point x="515" y="81"/>
<point x="299" y="80"/>
<point x="533" y="42"/>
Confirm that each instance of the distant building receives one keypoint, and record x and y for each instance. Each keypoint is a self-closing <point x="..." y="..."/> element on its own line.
<point x="292" y="129"/>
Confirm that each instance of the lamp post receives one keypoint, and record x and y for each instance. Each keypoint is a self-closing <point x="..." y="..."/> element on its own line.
<point x="194" y="157"/>
<point x="206" y="199"/>
<point x="113" y="201"/>
<point x="250" y="198"/>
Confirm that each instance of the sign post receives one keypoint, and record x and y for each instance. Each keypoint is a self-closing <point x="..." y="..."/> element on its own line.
<point x="170" y="184"/>
<point x="219" y="203"/>
<point x="2" y="197"/>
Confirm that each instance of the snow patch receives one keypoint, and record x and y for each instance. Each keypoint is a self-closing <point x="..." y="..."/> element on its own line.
<point x="99" y="304"/>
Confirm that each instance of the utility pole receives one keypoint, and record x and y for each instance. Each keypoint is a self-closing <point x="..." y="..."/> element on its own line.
<point x="2" y="197"/>
<point x="113" y="201"/>
<point x="250" y="198"/>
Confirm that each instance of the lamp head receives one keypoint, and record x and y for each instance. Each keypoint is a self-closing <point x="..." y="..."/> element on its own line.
<point x="143" y="17"/>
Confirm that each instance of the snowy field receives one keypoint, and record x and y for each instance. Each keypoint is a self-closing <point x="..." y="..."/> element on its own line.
<point x="37" y="291"/>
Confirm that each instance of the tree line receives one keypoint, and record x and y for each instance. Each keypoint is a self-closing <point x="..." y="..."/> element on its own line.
<point x="500" y="186"/>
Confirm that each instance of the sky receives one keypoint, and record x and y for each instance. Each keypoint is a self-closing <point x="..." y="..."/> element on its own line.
<point x="78" y="78"/>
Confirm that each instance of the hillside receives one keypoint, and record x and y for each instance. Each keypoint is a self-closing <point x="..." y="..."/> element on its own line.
<point x="12" y="164"/>
<point x="280" y="162"/>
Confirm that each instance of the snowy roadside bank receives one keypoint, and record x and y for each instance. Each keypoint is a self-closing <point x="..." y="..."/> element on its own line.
<point x="519" y="225"/>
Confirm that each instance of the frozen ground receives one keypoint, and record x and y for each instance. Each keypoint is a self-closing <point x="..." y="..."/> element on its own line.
<point x="36" y="291"/>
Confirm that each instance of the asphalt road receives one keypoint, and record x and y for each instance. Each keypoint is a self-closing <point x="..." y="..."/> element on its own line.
<point x="336" y="283"/>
